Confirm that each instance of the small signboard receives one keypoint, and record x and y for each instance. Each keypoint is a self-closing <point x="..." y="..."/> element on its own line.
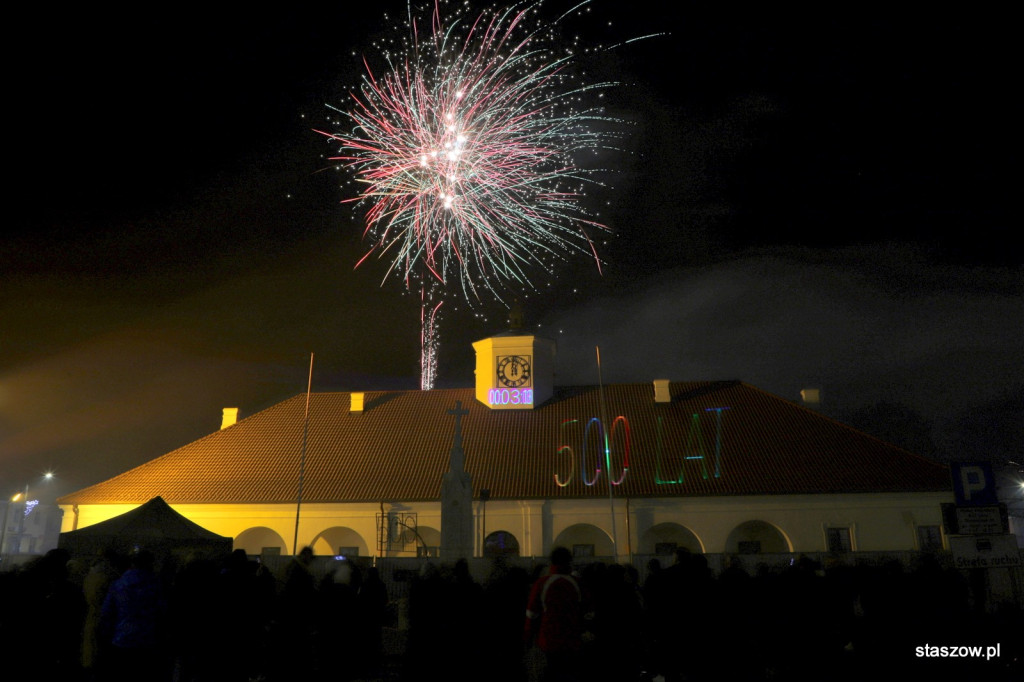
<point x="980" y="521"/>
<point x="986" y="551"/>
<point x="975" y="520"/>
<point x="991" y="520"/>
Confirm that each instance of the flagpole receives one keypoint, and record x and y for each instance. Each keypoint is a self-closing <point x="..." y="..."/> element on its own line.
<point x="302" y="459"/>
<point x="607" y="453"/>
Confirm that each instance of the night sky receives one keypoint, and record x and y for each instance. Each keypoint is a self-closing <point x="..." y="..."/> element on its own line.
<point x="807" y="200"/>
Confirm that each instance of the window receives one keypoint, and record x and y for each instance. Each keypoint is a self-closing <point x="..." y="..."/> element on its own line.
<point x="348" y="551"/>
<point x="270" y="551"/>
<point x="929" y="538"/>
<point x="582" y="551"/>
<point x="665" y="548"/>
<point x="748" y="546"/>
<point x="427" y="552"/>
<point x="838" y="539"/>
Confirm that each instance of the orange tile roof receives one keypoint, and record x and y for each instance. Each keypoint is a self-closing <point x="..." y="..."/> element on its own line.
<point x="398" y="448"/>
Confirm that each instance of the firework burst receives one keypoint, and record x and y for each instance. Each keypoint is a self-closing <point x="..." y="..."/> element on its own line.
<point x="467" y="148"/>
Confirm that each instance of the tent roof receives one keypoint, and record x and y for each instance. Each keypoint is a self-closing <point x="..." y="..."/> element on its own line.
<point x="154" y="523"/>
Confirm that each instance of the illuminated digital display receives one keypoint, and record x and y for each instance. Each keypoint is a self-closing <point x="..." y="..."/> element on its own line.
<point x="510" y="396"/>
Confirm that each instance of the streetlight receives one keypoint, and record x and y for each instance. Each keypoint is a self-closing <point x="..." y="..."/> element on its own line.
<point x="7" y="511"/>
<point x="18" y="497"/>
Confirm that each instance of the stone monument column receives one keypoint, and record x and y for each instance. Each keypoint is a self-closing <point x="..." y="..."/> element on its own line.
<point x="457" y="499"/>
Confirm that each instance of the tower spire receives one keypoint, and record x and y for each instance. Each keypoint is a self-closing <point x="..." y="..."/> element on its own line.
<point x="515" y="316"/>
<point x="457" y="498"/>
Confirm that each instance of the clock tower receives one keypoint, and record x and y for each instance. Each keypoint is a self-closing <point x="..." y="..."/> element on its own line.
<point x="514" y="371"/>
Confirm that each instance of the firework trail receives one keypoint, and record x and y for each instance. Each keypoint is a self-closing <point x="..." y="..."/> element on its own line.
<point x="467" y="149"/>
<point x="428" y="338"/>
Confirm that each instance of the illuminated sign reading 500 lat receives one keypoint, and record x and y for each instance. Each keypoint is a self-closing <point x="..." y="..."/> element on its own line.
<point x="598" y="448"/>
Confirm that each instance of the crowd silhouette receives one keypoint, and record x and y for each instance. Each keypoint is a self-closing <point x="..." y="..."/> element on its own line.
<point x="228" y="619"/>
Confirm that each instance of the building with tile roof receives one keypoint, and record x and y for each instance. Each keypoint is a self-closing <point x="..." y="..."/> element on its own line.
<point x="616" y="470"/>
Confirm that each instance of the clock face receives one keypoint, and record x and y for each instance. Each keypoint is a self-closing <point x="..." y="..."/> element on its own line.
<point x="514" y="370"/>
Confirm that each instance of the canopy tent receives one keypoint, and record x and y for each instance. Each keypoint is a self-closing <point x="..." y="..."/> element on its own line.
<point x="153" y="526"/>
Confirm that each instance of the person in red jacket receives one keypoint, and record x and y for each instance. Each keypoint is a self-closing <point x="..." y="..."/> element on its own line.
<point x="555" y="615"/>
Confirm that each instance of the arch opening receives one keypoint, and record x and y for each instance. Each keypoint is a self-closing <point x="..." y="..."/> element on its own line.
<point x="340" y="541"/>
<point x="260" y="541"/>
<point x="757" y="537"/>
<point x="664" y="539"/>
<point x="585" y="540"/>
<point x="501" y="543"/>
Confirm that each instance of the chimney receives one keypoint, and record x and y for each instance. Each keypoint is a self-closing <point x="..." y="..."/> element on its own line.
<point x="661" y="391"/>
<point x="357" y="402"/>
<point x="229" y="415"/>
<point x="811" y="398"/>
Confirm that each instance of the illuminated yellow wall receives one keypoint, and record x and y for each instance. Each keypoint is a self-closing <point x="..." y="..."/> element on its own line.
<point x="878" y="522"/>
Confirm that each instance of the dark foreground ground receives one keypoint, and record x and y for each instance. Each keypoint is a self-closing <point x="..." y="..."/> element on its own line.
<point x="230" y="620"/>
